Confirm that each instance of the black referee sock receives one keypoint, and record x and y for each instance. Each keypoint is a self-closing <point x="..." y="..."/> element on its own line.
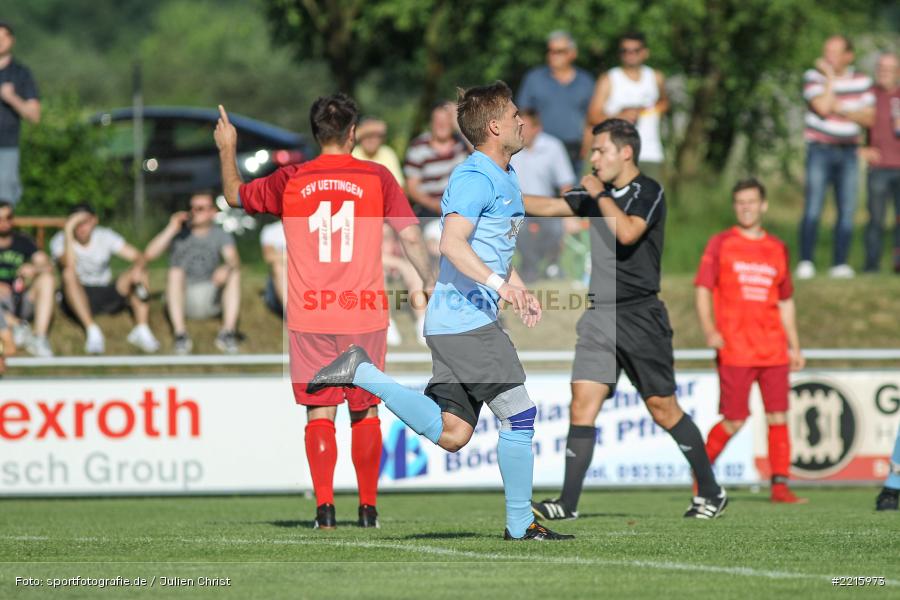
<point x="689" y="440"/>
<point x="579" y="452"/>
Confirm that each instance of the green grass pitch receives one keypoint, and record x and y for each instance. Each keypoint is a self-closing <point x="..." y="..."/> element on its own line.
<point x="448" y="545"/>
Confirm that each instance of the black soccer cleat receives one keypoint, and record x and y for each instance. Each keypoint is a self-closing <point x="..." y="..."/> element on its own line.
<point x="552" y="510"/>
<point x="539" y="533"/>
<point x="887" y="499"/>
<point x="340" y="372"/>
<point x="707" y="508"/>
<point x="368" y="516"/>
<point x="325" y="518"/>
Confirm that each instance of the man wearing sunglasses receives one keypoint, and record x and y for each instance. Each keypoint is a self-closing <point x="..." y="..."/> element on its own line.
<point x="636" y="93"/>
<point x="204" y="279"/>
<point x="560" y="92"/>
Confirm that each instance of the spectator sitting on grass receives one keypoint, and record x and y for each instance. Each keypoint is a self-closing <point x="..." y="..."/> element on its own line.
<point x="371" y="134"/>
<point x="430" y="159"/>
<point x="7" y="345"/>
<point x="83" y="251"/>
<point x="26" y="286"/>
<point x="204" y="279"/>
<point x="274" y="248"/>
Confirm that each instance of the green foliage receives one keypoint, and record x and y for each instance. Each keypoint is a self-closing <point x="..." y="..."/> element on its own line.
<point x="738" y="62"/>
<point x="198" y="54"/>
<point x="61" y="165"/>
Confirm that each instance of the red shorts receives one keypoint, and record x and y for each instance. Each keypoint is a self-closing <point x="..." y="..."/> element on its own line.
<point x="734" y="389"/>
<point x="312" y="351"/>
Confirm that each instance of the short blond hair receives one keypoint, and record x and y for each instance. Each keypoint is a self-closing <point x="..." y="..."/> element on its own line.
<point x="478" y="106"/>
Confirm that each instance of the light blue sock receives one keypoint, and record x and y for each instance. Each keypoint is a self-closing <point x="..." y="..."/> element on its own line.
<point x="893" y="480"/>
<point x="516" y="460"/>
<point x="420" y="412"/>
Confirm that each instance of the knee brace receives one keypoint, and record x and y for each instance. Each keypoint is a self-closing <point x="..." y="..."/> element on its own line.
<point x="515" y="410"/>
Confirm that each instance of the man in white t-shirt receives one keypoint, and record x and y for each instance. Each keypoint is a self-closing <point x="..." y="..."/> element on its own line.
<point x="544" y="169"/>
<point x="83" y="252"/>
<point x="273" y="243"/>
<point x="636" y="93"/>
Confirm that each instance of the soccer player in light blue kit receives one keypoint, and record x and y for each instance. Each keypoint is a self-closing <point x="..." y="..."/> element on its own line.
<point x="474" y="361"/>
<point x="887" y="498"/>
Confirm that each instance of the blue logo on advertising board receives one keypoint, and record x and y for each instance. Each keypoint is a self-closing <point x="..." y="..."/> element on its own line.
<point x="402" y="454"/>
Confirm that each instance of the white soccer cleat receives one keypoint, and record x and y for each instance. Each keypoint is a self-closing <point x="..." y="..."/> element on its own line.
<point x="805" y="270"/>
<point x="707" y="508"/>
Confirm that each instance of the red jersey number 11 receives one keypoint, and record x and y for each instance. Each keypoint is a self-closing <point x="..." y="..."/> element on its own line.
<point x="327" y="225"/>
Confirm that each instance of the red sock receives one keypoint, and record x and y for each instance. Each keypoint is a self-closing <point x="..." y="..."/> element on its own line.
<point x="779" y="450"/>
<point x="366" y="451"/>
<point x="716" y="440"/>
<point x="321" y="452"/>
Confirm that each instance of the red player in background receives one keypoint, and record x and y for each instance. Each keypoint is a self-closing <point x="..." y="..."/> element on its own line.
<point x="333" y="209"/>
<point x="745" y="305"/>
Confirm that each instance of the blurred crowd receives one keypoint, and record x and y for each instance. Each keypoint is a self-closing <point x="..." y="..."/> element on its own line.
<point x="851" y="118"/>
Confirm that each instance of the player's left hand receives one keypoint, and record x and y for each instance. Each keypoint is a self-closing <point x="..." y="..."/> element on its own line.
<point x="531" y="315"/>
<point x="225" y="133"/>
<point x="592" y="185"/>
<point x="798" y="361"/>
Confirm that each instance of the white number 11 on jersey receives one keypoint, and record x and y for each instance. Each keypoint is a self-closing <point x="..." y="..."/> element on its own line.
<point x="327" y="224"/>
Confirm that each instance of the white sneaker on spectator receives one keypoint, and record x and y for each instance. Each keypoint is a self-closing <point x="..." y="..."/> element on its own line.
<point x="805" y="270"/>
<point x="844" y="271"/>
<point x="39" y="346"/>
<point x="227" y="342"/>
<point x="393" y="334"/>
<point x="143" y="338"/>
<point x="21" y="333"/>
<point x="95" y="343"/>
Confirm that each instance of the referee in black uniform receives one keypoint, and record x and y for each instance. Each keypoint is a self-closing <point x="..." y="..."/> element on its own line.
<point x="627" y="233"/>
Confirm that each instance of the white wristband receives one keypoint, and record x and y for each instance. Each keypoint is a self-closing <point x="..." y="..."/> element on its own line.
<point x="494" y="282"/>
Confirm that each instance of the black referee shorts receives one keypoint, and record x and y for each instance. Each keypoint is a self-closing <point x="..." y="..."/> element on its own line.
<point x="472" y="368"/>
<point x="642" y="348"/>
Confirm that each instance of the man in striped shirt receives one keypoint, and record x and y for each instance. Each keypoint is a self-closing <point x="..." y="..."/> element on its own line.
<point x="430" y="159"/>
<point x="838" y="100"/>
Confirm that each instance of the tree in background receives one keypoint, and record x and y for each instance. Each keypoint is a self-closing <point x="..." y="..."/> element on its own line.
<point x="61" y="165"/>
<point x="740" y="60"/>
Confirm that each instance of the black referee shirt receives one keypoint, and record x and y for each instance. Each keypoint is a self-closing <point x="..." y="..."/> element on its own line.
<point x="636" y="267"/>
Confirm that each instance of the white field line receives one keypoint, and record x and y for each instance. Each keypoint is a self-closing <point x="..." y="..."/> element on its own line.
<point x="479" y="556"/>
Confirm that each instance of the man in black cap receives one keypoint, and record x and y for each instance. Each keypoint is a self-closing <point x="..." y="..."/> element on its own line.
<point x="18" y="100"/>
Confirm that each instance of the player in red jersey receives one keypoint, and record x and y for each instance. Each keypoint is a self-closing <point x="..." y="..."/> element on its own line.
<point x="333" y="209"/>
<point x="744" y="278"/>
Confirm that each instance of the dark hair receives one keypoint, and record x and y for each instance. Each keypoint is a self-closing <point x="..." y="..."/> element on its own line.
<point x="7" y="204"/>
<point x="622" y="133"/>
<point x="204" y="192"/>
<point x="748" y="184"/>
<point x="5" y="25"/>
<point x="332" y="116"/>
<point x="634" y="36"/>
<point x="82" y="207"/>
<point x="531" y="113"/>
<point x="478" y="106"/>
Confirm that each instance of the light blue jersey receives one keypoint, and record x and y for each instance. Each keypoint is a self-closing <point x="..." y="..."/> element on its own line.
<point x="491" y="199"/>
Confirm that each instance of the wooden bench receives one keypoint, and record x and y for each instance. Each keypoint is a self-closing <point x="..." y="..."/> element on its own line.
<point x="39" y="224"/>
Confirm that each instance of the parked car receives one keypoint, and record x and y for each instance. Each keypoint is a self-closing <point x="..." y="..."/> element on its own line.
<point x="180" y="155"/>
